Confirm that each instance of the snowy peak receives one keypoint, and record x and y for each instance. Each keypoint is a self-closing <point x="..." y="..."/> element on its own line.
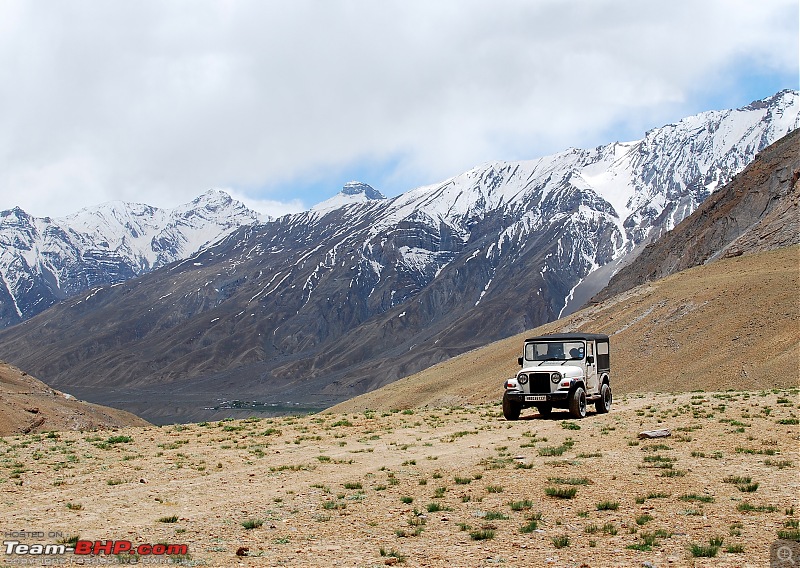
<point x="352" y="192"/>
<point x="43" y="260"/>
<point x="360" y="188"/>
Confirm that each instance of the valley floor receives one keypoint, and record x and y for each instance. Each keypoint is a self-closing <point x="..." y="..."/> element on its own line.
<point x="437" y="487"/>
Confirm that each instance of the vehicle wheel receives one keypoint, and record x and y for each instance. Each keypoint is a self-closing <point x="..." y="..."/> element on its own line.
<point x="511" y="409"/>
<point x="603" y="405"/>
<point x="577" y="403"/>
<point x="545" y="410"/>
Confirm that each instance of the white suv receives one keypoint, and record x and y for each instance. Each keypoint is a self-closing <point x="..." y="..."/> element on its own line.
<point x="563" y="370"/>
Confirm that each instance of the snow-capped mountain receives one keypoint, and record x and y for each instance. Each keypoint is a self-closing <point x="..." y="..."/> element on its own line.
<point x="44" y="260"/>
<point x="352" y="192"/>
<point x="359" y="291"/>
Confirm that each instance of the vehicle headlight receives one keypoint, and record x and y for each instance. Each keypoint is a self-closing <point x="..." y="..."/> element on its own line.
<point x="522" y="378"/>
<point x="555" y="378"/>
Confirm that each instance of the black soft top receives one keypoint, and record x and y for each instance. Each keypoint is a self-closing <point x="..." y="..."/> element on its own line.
<point x="569" y="336"/>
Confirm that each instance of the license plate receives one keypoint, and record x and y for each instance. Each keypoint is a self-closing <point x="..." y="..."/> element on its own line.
<point x="535" y="398"/>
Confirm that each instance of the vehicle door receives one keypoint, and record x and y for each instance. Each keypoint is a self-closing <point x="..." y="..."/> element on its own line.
<point x="591" y="367"/>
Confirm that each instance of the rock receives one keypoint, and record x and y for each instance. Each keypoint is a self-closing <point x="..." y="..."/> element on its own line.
<point x="664" y="433"/>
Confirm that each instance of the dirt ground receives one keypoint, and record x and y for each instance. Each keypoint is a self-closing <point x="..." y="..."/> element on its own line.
<point x="437" y="487"/>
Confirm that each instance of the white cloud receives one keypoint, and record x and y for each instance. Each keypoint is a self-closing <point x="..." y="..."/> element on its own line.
<point x="157" y="101"/>
<point x="268" y="207"/>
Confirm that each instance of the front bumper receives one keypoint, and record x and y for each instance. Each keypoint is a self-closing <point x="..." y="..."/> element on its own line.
<point x="533" y="398"/>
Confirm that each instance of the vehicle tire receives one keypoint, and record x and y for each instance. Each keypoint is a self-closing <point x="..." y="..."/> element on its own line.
<point x="545" y="410"/>
<point x="577" y="403"/>
<point x="603" y="404"/>
<point x="511" y="409"/>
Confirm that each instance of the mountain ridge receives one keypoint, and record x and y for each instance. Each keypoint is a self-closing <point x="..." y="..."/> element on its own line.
<point x="324" y="304"/>
<point x="45" y="260"/>
<point x="758" y="210"/>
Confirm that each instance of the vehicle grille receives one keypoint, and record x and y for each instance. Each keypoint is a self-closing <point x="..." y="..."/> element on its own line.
<point x="540" y="382"/>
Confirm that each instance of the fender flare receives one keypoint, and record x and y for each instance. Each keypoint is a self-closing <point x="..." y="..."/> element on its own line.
<point x="577" y="383"/>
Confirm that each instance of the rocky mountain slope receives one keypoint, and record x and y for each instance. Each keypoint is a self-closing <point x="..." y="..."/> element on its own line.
<point x="29" y="405"/>
<point x="691" y="330"/>
<point x="759" y="210"/>
<point x="322" y="305"/>
<point x="44" y="260"/>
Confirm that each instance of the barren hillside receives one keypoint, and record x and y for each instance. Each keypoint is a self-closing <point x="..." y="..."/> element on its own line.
<point x="29" y="405"/>
<point x="732" y="324"/>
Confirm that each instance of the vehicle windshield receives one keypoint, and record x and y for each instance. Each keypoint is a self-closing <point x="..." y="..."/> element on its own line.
<point x="554" y="351"/>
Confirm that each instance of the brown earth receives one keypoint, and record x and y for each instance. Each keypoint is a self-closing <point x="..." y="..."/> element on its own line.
<point x="731" y="324"/>
<point x="419" y="486"/>
<point x="29" y="405"/>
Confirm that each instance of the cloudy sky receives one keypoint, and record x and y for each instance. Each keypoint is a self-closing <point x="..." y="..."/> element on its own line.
<point x="282" y="102"/>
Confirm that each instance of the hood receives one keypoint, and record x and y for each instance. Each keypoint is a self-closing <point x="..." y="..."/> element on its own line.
<point x="567" y="371"/>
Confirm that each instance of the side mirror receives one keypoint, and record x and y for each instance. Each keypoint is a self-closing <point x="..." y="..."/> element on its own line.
<point x="519" y="361"/>
<point x="590" y="360"/>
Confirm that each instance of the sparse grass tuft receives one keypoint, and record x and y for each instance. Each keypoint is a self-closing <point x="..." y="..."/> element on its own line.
<point x="672" y="473"/>
<point x="744" y="484"/>
<point x="495" y="516"/>
<point x="569" y="480"/>
<point x="250" y="524"/>
<point x="745" y="507"/>
<point x="530" y="527"/>
<point x="789" y="534"/>
<point x="561" y="492"/>
<point x="521" y="505"/>
<point x="607" y="506"/>
<point x="393" y="554"/>
<point x="482" y="534"/>
<point x="72" y="539"/>
<point x="696" y="497"/>
<point x="703" y="551"/>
